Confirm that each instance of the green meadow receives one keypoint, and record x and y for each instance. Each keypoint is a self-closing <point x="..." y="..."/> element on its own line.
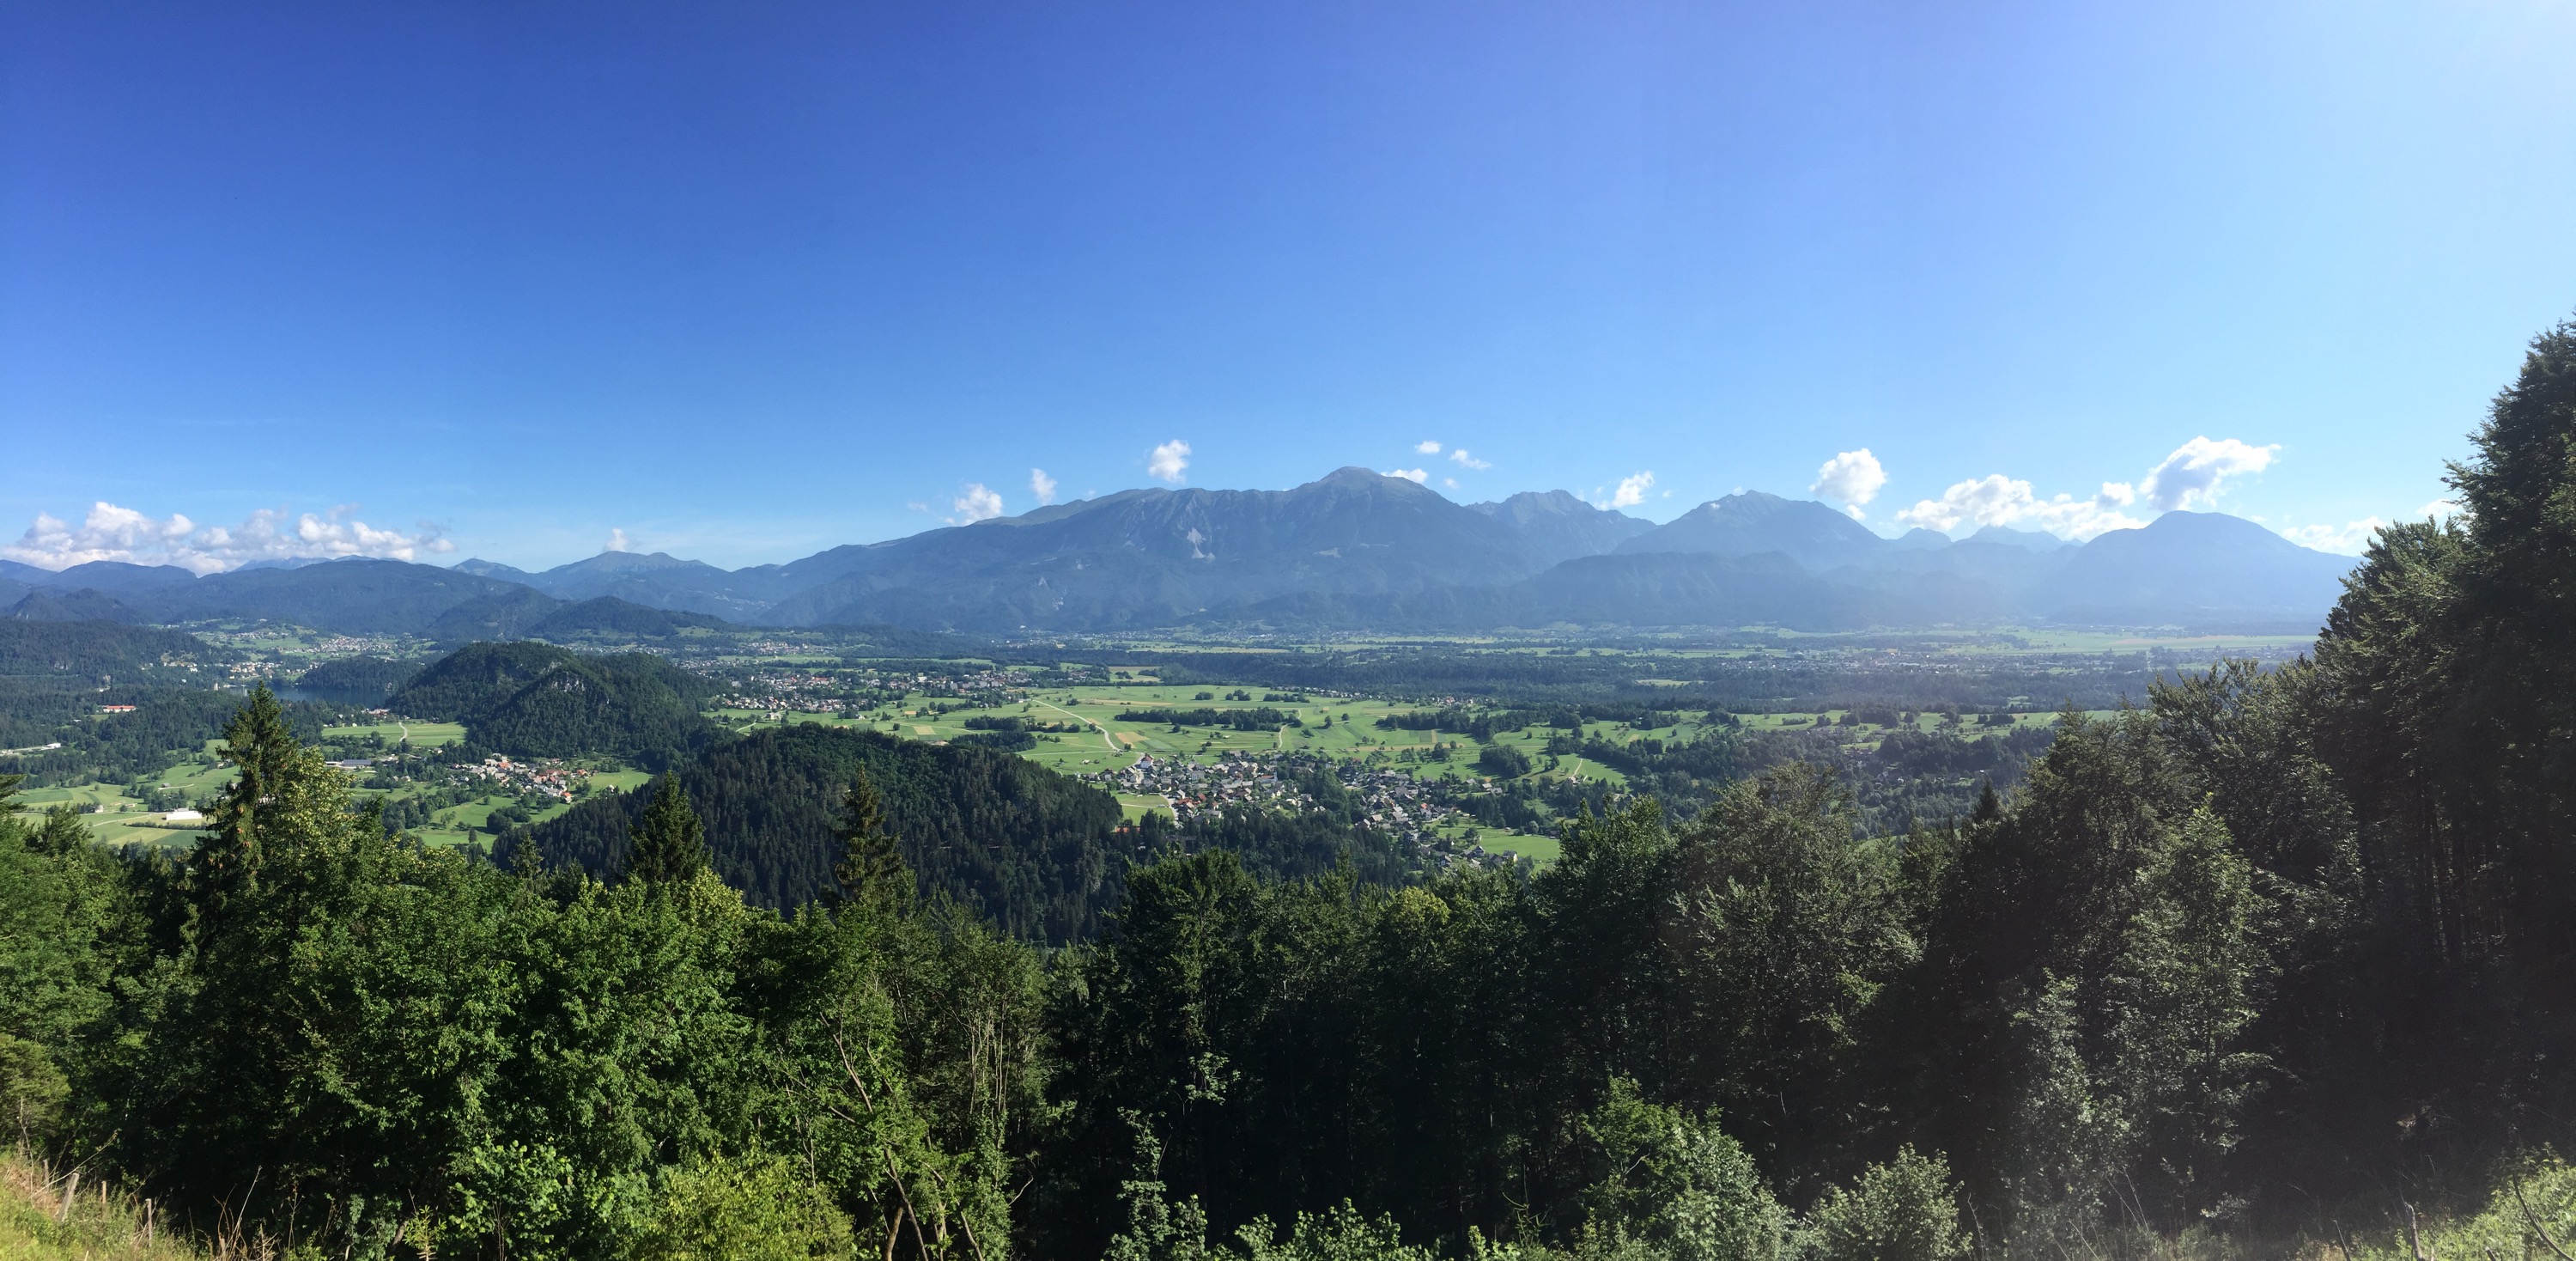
<point x="422" y="735"/>
<point x="1337" y="727"/>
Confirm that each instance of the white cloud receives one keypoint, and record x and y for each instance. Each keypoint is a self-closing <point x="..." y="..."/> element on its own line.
<point x="1632" y="492"/>
<point x="1461" y="456"/>
<point x="2195" y="473"/>
<point x="1450" y="482"/>
<point x="122" y="534"/>
<point x="1169" y="461"/>
<point x="2348" y="539"/>
<point x="616" y="540"/>
<point x="1427" y="447"/>
<point x="977" y="504"/>
<point x="2193" y="476"/>
<point x="1042" y="486"/>
<point x="2000" y="500"/>
<point x="1850" y="479"/>
<point x="1410" y="474"/>
<point x="2440" y="510"/>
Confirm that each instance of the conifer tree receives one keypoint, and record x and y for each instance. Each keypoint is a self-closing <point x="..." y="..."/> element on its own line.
<point x="61" y="835"/>
<point x="871" y="866"/>
<point x="668" y="844"/>
<point x="1990" y="804"/>
<point x="257" y="743"/>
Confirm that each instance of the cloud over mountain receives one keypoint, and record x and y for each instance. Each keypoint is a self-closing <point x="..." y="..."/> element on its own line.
<point x="2192" y="477"/>
<point x="1631" y="492"/>
<point x="1850" y="479"/>
<point x="979" y="503"/>
<point x="1999" y="500"/>
<point x="2195" y="473"/>
<point x="113" y="533"/>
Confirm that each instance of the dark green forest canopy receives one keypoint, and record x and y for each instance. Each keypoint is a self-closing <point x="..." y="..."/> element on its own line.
<point x="537" y="700"/>
<point x="1036" y="853"/>
<point x="88" y="652"/>
<point x="114" y="747"/>
<point x="477" y="679"/>
<point x="375" y="677"/>
<point x="55" y="677"/>
<point x="1257" y="718"/>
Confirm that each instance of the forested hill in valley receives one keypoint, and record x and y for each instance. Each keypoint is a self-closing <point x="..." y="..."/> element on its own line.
<point x="1352" y="551"/>
<point x="1035" y="853"/>
<point x="537" y="700"/>
<point x="91" y="653"/>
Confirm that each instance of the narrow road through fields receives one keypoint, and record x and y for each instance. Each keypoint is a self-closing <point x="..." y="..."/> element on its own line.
<point x="1105" y="737"/>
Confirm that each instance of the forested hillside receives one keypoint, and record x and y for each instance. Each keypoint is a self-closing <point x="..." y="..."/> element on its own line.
<point x="2274" y="963"/>
<point x="92" y="652"/>
<point x="83" y="605"/>
<point x="1025" y="848"/>
<point x="537" y="700"/>
<point x="56" y="676"/>
<point x="117" y="747"/>
<point x="369" y="678"/>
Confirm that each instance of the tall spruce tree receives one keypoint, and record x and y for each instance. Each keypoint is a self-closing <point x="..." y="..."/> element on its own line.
<point x="668" y="844"/>
<point x="871" y="866"/>
<point x="259" y="745"/>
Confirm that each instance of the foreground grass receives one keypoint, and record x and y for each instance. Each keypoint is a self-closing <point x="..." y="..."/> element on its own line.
<point x="39" y="1222"/>
<point x="2532" y="1217"/>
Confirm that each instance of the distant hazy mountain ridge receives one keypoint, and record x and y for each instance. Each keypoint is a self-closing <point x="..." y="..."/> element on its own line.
<point x="1749" y="523"/>
<point x="1354" y="550"/>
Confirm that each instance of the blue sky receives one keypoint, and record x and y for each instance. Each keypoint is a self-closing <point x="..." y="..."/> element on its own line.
<point x="745" y="281"/>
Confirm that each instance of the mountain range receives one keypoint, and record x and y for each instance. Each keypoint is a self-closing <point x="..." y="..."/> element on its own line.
<point x="1354" y="550"/>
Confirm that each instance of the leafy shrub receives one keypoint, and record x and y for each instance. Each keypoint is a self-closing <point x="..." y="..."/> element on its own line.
<point x="1674" y="1183"/>
<point x="1904" y="1210"/>
<point x="748" y="1209"/>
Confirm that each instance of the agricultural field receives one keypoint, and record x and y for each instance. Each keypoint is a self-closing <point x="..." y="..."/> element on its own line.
<point x="1090" y="736"/>
<point x="118" y="818"/>
<point x="1098" y="739"/>
<point x="422" y="735"/>
<point x="472" y="821"/>
<point x="199" y="777"/>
